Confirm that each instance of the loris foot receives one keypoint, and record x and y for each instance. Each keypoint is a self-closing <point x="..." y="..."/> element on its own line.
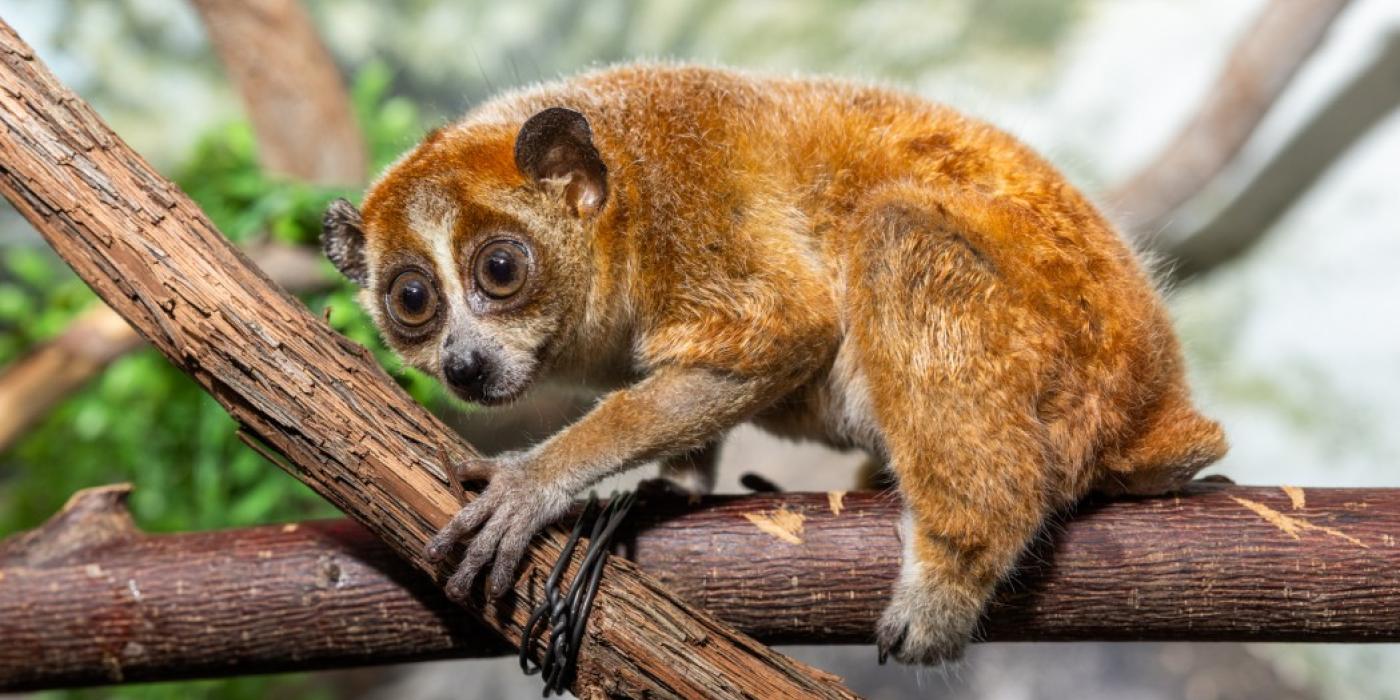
<point x="926" y="624"/>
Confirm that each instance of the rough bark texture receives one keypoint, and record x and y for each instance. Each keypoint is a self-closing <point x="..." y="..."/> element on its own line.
<point x="32" y="385"/>
<point x="1261" y="64"/>
<point x="319" y="399"/>
<point x="88" y="599"/>
<point x="291" y="88"/>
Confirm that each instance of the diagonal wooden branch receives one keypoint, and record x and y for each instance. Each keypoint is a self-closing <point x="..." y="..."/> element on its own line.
<point x="318" y="398"/>
<point x="1260" y="66"/>
<point x="49" y="372"/>
<point x="306" y="130"/>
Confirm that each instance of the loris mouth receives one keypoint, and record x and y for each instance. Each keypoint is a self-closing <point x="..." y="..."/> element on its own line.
<point x="495" y="399"/>
<point x="492" y="395"/>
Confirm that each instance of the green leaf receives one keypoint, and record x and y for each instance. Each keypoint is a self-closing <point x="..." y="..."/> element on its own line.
<point x="14" y="303"/>
<point x="30" y="266"/>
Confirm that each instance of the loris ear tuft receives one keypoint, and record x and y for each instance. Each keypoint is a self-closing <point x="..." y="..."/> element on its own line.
<point x="555" y="147"/>
<point x="343" y="240"/>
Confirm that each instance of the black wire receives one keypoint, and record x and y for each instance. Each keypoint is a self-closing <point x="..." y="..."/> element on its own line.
<point x="567" y="614"/>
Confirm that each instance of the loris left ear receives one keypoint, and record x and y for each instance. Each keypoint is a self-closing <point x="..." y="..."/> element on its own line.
<point x="343" y="240"/>
<point x="555" y="147"/>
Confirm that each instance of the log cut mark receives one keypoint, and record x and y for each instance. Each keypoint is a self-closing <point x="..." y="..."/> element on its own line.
<point x="1296" y="496"/>
<point x="836" y="500"/>
<point x="782" y="523"/>
<point x="1290" y="525"/>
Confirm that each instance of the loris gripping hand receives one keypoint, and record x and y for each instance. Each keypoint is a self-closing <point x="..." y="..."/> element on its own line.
<point x="670" y="412"/>
<point x="520" y="500"/>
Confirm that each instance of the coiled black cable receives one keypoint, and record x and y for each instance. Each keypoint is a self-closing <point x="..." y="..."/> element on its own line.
<point x="567" y="613"/>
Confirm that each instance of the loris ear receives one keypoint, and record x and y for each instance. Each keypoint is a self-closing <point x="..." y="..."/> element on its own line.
<point x="343" y="240"/>
<point x="555" y="147"/>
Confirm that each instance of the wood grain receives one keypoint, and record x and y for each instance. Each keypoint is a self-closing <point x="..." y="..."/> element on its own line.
<point x="345" y="427"/>
<point x="1219" y="563"/>
<point x="306" y="129"/>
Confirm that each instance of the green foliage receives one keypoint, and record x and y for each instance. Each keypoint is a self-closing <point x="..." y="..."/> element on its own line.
<point x="38" y="296"/>
<point x="224" y="178"/>
<point x="391" y="124"/>
<point x="144" y="421"/>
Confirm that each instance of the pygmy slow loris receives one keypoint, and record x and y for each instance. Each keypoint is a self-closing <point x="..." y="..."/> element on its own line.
<point x="827" y="260"/>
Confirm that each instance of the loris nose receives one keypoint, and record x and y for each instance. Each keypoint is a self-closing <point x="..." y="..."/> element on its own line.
<point x="466" y="372"/>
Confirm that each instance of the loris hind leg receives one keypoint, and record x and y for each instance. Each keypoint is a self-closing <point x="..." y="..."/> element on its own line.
<point x="974" y="499"/>
<point x="950" y="379"/>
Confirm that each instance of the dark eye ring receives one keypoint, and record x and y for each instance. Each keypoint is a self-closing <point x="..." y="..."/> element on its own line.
<point x="412" y="299"/>
<point x="500" y="268"/>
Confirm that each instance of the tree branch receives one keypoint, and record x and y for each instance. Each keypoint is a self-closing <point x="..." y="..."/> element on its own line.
<point x="306" y="130"/>
<point x="1368" y="98"/>
<point x="49" y="372"/>
<point x="320" y="400"/>
<point x="1260" y="66"/>
<point x="1218" y="563"/>
<point x="291" y="88"/>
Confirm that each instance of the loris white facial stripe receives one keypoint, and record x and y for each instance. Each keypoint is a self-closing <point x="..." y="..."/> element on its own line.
<point x="433" y="220"/>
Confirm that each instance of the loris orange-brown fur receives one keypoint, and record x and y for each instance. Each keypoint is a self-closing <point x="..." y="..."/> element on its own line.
<point x="830" y="261"/>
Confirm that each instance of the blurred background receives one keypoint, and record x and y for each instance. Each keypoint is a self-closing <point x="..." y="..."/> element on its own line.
<point x="1250" y="145"/>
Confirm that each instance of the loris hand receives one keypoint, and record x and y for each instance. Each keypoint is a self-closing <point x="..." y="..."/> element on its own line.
<point x="518" y="503"/>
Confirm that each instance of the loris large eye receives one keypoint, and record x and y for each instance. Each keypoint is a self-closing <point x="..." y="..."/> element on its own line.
<point x="500" y="268"/>
<point x="412" y="300"/>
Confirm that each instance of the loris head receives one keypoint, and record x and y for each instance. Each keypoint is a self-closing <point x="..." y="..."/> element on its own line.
<point x="472" y="251"/>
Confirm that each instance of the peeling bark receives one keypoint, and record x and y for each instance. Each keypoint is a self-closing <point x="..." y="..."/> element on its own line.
<point x="306" y="129"/>
<point x="320" y="400"/>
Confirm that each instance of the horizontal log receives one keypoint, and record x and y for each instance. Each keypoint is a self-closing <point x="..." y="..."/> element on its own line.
<point x="88" y="599"/>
